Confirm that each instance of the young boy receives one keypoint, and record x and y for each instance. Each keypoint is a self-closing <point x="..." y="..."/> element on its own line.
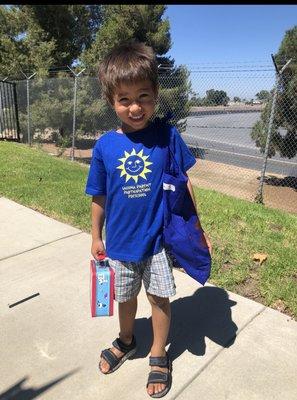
<point x="125" y="180"/>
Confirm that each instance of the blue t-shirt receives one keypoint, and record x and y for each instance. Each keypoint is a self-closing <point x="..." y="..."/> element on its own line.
<point x="128" y="169"/>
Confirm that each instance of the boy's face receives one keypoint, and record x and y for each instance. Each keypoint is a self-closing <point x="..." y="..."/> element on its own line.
<point x="134" y="104"/>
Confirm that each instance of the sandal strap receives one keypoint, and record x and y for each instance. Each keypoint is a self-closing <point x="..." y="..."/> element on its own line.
<point x="110" y="358"/>
<point x="159" y="361"/>
<point x="121" y="346"/>
<point x="157" y="377"/>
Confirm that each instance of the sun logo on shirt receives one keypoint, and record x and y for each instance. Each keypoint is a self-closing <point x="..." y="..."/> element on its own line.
<point x="134" y="165"/>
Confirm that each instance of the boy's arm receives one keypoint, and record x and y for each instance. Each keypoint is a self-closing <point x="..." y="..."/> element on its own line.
<point x="98" y="218"/>
<point x="190" y="187"/>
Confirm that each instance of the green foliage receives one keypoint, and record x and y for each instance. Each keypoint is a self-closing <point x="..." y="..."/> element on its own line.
<point x="35" y="38"/>
<point x="236" y="99"/>
<point x="173" y="96"/>
<point x="70" y="27"/>
<point x="194" y="99"/>
<point x="52" y="106"/>
<point x="263" y="95"/>
<point x="12" y="50"/>
<point x="216" y="98"/>
<point x="125" y="22"/>
<point x="284" y="130"/>
<point x="212" y="98"/>
<point x="260" y="129"/>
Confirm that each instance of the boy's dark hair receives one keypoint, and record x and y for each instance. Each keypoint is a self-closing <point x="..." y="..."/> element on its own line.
<point x="126" y="63"/>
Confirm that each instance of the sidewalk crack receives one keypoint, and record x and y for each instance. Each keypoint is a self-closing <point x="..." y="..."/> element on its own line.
<point x="41" y="245"/>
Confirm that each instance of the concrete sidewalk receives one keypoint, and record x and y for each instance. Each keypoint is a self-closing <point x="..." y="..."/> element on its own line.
<point x="223" y="346"/>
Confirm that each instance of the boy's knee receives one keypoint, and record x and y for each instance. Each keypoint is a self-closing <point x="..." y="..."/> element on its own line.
<point x="161" y="302"/>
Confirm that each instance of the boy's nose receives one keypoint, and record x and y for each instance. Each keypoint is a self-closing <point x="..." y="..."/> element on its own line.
<point x="134" y="107"/>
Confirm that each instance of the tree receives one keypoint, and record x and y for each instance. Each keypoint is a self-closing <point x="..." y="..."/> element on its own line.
<point x="52" y="106"/>
<point x="39" y="37"/>
<point x="195" y="100"/>
<point x="284" y="130"/>
<point x="236" y="99"/>
<point x="126" y="22"/>
<point x="45" y="37"/>
<point x="71" y="27"/>
<point x="12" y="49"/>
<point x="216" y="98"/>
<point x="263" y="95"/>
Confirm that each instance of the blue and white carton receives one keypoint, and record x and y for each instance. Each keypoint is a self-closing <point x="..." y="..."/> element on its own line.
<point x="102" y="288"/>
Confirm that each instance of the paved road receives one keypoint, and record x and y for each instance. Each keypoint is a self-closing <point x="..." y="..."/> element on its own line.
<point x="226" y="138"/>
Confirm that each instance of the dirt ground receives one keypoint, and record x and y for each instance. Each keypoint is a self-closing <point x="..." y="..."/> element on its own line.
<point x="278" y="192"/>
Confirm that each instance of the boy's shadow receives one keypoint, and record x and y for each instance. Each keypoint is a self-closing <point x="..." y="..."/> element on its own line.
<point x="206" y="313"/>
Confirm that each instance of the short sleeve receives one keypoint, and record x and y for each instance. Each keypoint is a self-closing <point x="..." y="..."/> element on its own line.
<point x="181" y="151"/>
<point x="96" y="182"/>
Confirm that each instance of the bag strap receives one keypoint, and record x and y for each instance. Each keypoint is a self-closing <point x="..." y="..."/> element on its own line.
<point x="170" y="164"/>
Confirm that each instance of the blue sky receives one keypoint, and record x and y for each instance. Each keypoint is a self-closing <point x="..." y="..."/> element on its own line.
<point x="225" y="36"/>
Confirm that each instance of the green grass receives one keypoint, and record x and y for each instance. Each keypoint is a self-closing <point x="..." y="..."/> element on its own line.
<point x="238" y="228"/>
<point x="53" y="186"/>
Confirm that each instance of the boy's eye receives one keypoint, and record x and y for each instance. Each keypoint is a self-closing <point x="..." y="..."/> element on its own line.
<point x="123" y="99"/>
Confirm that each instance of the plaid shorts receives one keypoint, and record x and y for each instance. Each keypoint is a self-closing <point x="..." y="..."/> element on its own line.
<point x="155" y="272"/>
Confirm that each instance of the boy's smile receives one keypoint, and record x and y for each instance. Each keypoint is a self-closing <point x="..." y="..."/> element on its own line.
<point x="134" y="104"/>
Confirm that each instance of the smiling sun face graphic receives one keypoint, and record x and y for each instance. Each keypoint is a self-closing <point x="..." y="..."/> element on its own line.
<point x="134" y="165"/>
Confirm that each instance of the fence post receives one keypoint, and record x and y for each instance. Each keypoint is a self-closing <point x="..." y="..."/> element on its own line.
<point x="74" y="111"/>
<point x="2" y="114"/>
<point x="16" y="110"/>
<point x="28" y="107"/>
<point x="259" y="195"/>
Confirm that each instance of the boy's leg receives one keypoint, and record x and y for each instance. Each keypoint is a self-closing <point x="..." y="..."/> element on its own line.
<point x="127" y="312"/>
<point x="127" y="287"/>
<point x="161" y="314"/>
<point x="159" y="283"/>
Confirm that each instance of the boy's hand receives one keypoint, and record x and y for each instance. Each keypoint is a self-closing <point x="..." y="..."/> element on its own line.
<point x="208" y="242"/>
<point x="207" y="239"/>
<point x="97" y="248"/>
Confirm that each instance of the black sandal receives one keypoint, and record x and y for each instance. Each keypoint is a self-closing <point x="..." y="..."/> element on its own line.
<point x="115" y="362"/>
<point x="159" y="376"/>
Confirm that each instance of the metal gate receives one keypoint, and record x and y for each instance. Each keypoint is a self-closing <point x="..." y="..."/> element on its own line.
<point x="9" y="120"/>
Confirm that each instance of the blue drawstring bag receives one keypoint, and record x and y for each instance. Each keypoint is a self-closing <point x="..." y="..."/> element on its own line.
<point x="182" y="234"/>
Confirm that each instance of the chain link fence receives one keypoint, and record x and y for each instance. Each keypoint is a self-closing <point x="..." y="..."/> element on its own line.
<point x="240" y="122"/>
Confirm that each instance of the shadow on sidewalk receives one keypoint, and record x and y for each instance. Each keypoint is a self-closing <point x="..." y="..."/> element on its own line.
<point x="207" y="313"/>
<point x="17" y="392"/>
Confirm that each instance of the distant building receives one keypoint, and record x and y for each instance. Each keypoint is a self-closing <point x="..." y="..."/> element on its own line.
<point x="235" y="103"/>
